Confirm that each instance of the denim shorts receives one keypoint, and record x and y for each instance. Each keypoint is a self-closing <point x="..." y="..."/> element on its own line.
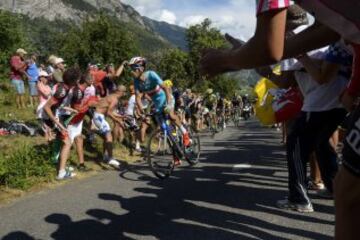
<point x="18" y="85"/>
<point x="33" y="88"/>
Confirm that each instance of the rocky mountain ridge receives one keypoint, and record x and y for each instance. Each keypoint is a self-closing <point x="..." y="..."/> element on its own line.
<point x="76" y="10"/>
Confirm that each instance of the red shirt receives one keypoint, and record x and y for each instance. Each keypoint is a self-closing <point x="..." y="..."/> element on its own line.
<point x="98" y="76"/>
<point x="16" y="63"/>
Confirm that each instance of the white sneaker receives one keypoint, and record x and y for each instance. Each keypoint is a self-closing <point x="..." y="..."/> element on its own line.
<point x="315" y="186"/>
<point x="303" y="208"/>
<point x="113" y="162"/>
<point x="140" y="150"/>
<point x="68" y="175"/>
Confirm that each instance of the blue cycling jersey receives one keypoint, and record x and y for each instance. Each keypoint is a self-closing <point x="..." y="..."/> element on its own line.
<point x="151" y="86"/>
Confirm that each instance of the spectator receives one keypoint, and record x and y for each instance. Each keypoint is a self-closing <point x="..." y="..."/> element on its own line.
<point x="57" y="118"/>
<point x="90" y="90"/>
<point x="44" y="92"/>
<point x="106" y="107"/>
<point x="131" y="112"/>
<point x="18" y="70"/>
<point x="89" y="93"/>
<point x="98" y="76"/>
<point x="320" y="116"/>
<point x="33" y="74"/>
<point x="59" y="70"/>
<point x="77" y="101"/>
<point x="109" y="84"/>
<point x="51" y="60"/>
<point x="43" y="87"/>
<point x="50" y="69"/>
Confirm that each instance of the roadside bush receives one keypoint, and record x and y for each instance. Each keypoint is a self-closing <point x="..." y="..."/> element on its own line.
<point x="25" y="167"/>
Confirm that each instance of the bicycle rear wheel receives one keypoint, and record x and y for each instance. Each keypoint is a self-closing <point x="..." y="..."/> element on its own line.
<point x="193" y="153"/>
<point x="236" y="119"/>
<point x="160" y="154"/>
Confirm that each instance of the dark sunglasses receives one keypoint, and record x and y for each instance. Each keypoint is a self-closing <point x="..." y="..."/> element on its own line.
<point x="135" y="67"/>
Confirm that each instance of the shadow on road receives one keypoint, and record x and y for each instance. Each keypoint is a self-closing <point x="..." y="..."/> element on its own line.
<point x="211" y="201"/>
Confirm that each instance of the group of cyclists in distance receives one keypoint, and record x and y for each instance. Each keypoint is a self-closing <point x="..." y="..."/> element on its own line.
<point x="67" y="96"/>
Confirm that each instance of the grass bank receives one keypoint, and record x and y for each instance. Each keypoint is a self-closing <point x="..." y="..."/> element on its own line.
<point x="25" y="161"/>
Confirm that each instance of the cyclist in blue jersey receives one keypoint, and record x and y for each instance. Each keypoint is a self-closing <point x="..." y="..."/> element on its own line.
<point x="149" y="83"/>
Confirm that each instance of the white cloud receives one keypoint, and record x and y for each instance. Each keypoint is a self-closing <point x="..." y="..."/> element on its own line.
<point x="167" y="16"/>
<point x="191" y="20"/>
<point x="236" y="17"/>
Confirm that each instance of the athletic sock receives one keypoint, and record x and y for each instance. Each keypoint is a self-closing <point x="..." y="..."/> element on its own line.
<point x="183" y="129"/>
<point x="137" y="144"/>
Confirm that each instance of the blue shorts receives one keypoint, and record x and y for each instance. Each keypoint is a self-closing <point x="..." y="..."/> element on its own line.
<point x="19" y="86"/>
<point x="33" y="88"/>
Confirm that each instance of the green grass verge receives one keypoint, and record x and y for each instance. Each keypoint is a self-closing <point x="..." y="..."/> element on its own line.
<point x="25" y="161"/>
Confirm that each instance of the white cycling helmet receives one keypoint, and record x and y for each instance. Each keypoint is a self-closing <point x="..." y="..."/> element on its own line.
<point x="138" y="61"/>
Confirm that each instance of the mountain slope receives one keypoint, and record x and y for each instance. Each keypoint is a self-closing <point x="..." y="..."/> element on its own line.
<point x="76" y="10"/>
<point x="173" y="33"/>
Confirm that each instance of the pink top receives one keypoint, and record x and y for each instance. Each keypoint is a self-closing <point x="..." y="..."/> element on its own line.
<point x="16" y="63"/>
<point x="44" y="92"/>
<point x="268" y="5"/>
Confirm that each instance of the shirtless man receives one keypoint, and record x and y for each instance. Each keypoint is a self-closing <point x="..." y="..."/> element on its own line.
<point x="106" y="107"/>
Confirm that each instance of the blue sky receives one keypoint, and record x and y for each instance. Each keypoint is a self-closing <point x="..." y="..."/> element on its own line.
<point x="236" y="17"/>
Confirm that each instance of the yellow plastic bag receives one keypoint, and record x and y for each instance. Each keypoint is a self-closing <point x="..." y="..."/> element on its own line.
<point x="263" y="108"/>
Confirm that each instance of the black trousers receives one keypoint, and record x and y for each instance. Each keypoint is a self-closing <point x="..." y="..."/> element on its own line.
<point x="311" y="132"/>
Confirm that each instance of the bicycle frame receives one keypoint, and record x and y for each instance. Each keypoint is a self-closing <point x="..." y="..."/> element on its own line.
<point x="161" y="120"/>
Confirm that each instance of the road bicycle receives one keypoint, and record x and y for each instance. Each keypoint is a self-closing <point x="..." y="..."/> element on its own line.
<point x="165" y="147"/>
<point x="236" y="116"/>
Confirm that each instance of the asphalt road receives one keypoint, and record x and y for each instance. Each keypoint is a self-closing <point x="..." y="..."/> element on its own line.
<point x="231" y="194"/>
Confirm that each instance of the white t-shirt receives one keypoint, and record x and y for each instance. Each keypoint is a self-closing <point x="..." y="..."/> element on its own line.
<point x="89" y="92"/>
<point x="131" y="106"/>
<point x="323" y="97"/>
<point x="318" y="98"/>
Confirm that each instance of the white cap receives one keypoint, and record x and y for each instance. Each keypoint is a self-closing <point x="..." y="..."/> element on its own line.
<point x="43" y="74"/>
<point x="294" y="65"/>
<point x="58" y="60"/>
<point x="21" y="51"/>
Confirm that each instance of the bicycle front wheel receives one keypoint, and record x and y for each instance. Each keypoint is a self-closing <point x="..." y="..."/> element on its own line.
<point x="160" y="154"/>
